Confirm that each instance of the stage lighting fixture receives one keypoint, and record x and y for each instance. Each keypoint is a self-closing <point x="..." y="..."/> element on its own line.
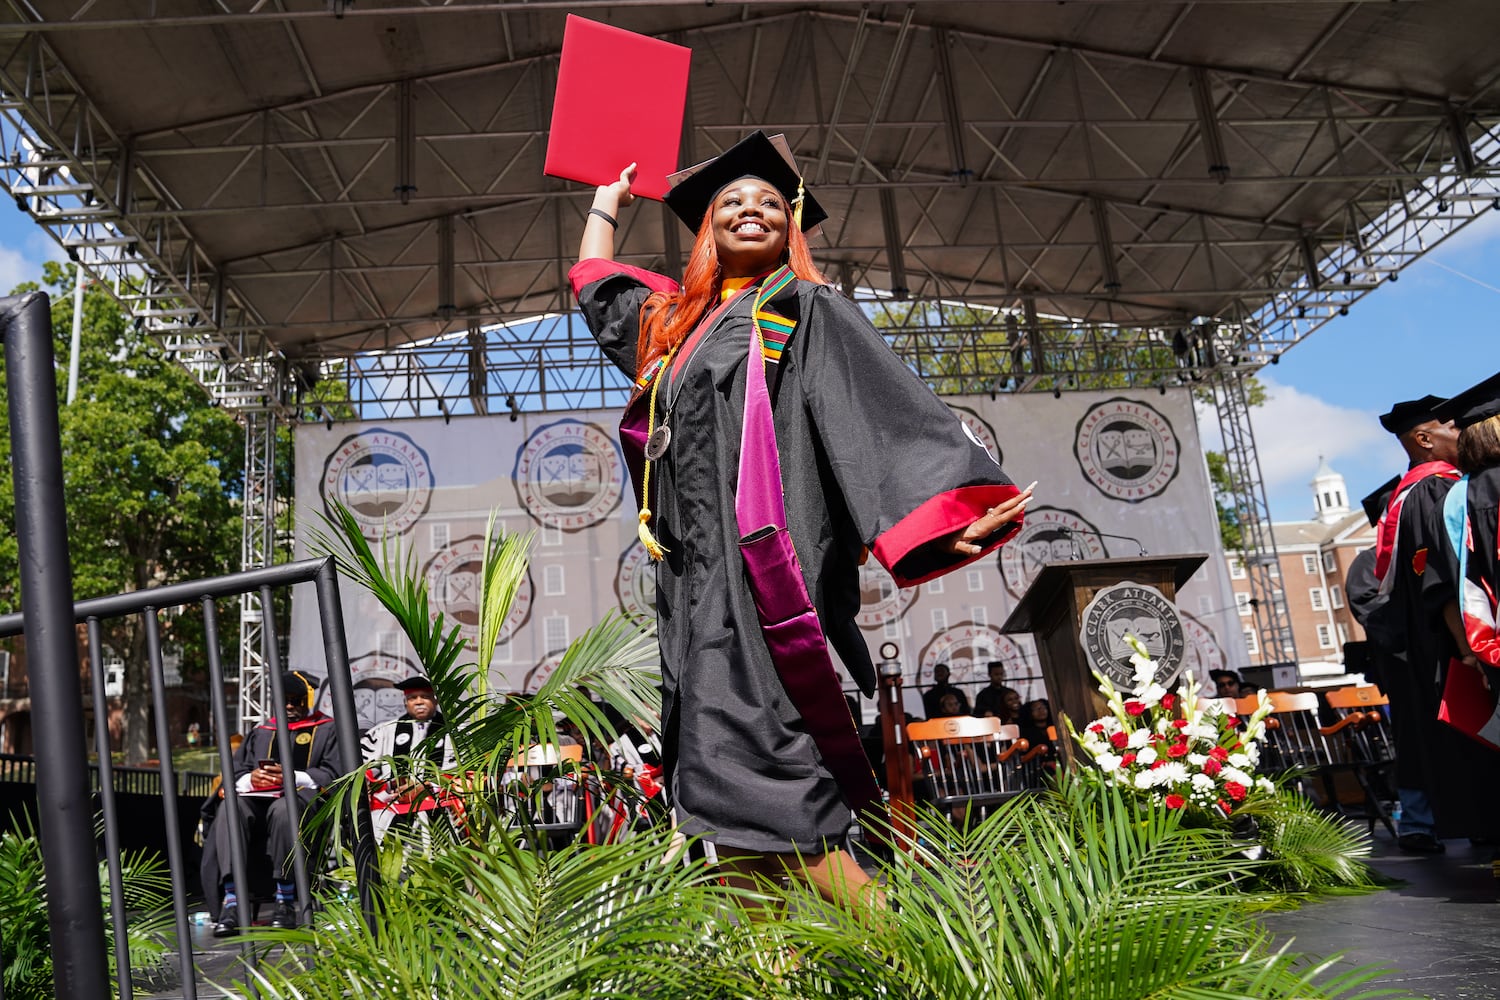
<point x="1343" y="310"/>
<point x="1395" y="277"/>
<point x="1056" y="393"/>
<point x="1442" y="205"/>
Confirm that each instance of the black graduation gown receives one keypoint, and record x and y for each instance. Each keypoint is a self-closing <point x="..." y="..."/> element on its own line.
<point x="870" y="458"/>
<point x="1462" y="776"/>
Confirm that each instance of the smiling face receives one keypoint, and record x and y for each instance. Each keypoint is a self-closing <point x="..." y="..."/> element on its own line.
<point x="749" y="227"/>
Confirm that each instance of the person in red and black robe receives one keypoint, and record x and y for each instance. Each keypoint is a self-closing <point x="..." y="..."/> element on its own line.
<point x="1431" y="445"/>
<point x="872" y="463"/>
<point x="1465" y="772"/>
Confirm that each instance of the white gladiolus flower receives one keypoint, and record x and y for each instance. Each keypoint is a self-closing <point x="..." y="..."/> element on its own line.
<point x="1265" y="784"/>
<point x="1152" y="693"/>
<point x="1239" y="760"/>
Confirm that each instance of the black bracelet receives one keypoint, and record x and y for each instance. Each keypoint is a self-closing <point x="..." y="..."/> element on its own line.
<point x="613" y="222"/>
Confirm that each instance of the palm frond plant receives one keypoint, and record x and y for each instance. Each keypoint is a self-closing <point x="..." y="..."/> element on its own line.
<point x="25" y="942"/>
<point x="1079" y="893"/>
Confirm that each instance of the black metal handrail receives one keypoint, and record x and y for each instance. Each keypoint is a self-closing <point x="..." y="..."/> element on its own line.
<point x="21" y="770"/>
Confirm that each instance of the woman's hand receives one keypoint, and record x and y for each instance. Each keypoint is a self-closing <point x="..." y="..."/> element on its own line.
<point x="618" y="194"/>
<point x="966" y="542"/>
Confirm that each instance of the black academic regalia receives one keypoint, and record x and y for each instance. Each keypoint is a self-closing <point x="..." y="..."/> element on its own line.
<point x="1462" y="777"/>
<point x="870" y="457"/>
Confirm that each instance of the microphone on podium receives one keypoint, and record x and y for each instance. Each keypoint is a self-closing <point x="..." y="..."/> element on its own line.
<point x="1141" y="548"/>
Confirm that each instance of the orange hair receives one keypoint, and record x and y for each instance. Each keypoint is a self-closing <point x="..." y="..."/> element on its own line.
<point x="668" y="317"/>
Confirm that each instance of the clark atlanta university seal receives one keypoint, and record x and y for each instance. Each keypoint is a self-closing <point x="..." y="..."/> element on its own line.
<point x="569" y="475"/>
<point x="382" y="477"/>
<point x="454" y="579"/>
<point x="1126" y="449"/>
<point x="1132" y="609"/>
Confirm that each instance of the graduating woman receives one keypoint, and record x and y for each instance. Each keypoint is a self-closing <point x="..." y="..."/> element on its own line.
<point x="774" y="440"/>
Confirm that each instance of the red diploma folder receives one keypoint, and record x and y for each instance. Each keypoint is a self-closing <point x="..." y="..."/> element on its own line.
<point x="1468" y="707"/>
<point x="619" y="100"/>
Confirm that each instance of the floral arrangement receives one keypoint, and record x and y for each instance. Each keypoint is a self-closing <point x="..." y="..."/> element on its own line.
<point x="1186" y="750"/>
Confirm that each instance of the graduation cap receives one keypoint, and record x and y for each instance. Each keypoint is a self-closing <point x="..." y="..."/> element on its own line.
<point x="1409" y="413"/>
<point x="1476" y="403"/>
<point x="1376" y="503"/>
<point x="414" y="683"/>
<point x="768" y="158"/>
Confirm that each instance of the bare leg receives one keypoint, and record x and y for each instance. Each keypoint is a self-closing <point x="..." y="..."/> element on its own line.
<point x="833" y="874"/>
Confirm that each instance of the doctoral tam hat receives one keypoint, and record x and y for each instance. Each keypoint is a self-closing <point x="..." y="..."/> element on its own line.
<point x="1377" y="501"/>
<point x="414" y="683"/>
<point x="1409" y="413"/>
<point x="768" y="158"/>
<point x="1476" y="403"/>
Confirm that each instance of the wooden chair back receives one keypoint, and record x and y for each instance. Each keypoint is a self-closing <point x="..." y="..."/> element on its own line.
<point x="967" y="760"/>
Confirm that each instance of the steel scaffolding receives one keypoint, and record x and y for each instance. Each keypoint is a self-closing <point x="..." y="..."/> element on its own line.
<point x="257" y="549"/>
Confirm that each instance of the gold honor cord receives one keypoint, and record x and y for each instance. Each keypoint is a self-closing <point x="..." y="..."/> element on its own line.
<point x="654" y="548"/>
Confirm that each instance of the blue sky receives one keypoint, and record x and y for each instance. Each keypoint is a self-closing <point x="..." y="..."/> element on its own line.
<point x="1433" y="331"/>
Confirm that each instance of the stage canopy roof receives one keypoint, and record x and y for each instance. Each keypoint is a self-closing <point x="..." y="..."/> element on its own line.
<point x="275" y="183"/>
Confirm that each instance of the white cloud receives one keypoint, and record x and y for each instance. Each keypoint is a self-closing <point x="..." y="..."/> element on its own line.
<point x="21" y="259"/>
<point x="1294" y="428"/>
<point x="1478" y="234"/>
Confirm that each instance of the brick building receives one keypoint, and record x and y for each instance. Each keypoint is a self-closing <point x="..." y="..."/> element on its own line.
<point x="1314" y="555"/>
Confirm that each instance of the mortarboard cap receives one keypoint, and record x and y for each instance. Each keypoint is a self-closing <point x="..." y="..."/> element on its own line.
<point x="756" y="155"/>
<point x="601" y="125"/>
<point x="414" y="683"/>
<point x="1476" y="403"/>
<point x="1379" y="499"/>
<point x="1409" y="413"/>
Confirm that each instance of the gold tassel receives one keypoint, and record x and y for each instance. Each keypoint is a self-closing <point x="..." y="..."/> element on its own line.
<point x="654" y="549"/>
<point x="797" y="206"/>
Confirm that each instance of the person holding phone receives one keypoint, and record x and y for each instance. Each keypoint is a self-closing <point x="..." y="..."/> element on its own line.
<point x="268" y="822"/>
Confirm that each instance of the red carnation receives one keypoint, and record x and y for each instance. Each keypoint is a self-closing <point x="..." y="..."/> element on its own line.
<point x="1135" y="707"/>
<point x="1175" y="801"/>
<point x="1168" y="700"/>
<point x="1226" y="807"/>
<point x="1212" y="767"/>
<point x="1127" y="760"/>
<point x="1158" y="762"/>
<point x="1219" y="753"/>
<point x="1232" y="721"/>
<point x="1236" y="790"/>
<point x="1120" y="740"/>
<point x="1097" y="727"/>
<point x="1177" y="750"/>
<point x="1179" y="723"/>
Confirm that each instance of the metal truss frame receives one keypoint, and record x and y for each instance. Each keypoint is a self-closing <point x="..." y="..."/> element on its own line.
<point x="257" y="549"/>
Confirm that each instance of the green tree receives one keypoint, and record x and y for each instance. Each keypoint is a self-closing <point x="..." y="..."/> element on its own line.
<point x="153" y="475"/>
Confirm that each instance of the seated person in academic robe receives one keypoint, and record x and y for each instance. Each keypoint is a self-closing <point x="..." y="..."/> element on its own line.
<point x="933" y="696"/>
<point x="267" y="820"/>
<point x="404" y="761"/>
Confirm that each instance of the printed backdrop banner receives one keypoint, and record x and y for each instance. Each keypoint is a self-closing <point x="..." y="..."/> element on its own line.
<point x="1117" y="473"/>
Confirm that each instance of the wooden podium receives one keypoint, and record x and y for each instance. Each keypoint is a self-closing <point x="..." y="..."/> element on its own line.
<point x="1052" y="610"/>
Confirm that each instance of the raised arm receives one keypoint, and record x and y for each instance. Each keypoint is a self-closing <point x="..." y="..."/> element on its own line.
<point x="604" y="218"/>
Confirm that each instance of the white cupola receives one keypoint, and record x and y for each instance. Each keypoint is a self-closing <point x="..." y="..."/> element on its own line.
<point x="1330" y="495"/>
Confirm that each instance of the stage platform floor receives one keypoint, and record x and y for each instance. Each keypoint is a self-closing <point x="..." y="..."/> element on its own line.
<point x="1437" y="928"/>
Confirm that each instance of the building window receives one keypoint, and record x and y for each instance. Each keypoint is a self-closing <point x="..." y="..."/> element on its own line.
<point x="891" y="629"/>
<point x="1237" y="569"/>
<point x="552" y="581"/>
<point x="1336" y="596"/>
<point x="551" y="534"/>
<point x="935" y="586"/>
<point x="388" y="643"/>
<point x="1325" y="636"/>
<point x="438" y="533"/>
<point x="1242" y="604"/>
<point x="976" y="580"/>
<point x="1252" y="641"/>
<point x="555" y="633"/>
<point x="939" y="619"/>
<point x="1330" y="562"/>
<point x="980" y="614"/>
<point x="1275" y="571"/>
<point x="1205" y="604"/>
<point x="1343" y="633"/>
<point x="1309" y="564"/>
<point x="1317" y="599"/>
<point x="505" y="650"/>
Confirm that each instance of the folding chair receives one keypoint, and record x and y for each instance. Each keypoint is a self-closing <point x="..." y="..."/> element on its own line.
<point x="1370" y="744"/>
<point x="543" y="790"/>
<point x="967" y="762"/>
<point x="1296" y="740"/>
